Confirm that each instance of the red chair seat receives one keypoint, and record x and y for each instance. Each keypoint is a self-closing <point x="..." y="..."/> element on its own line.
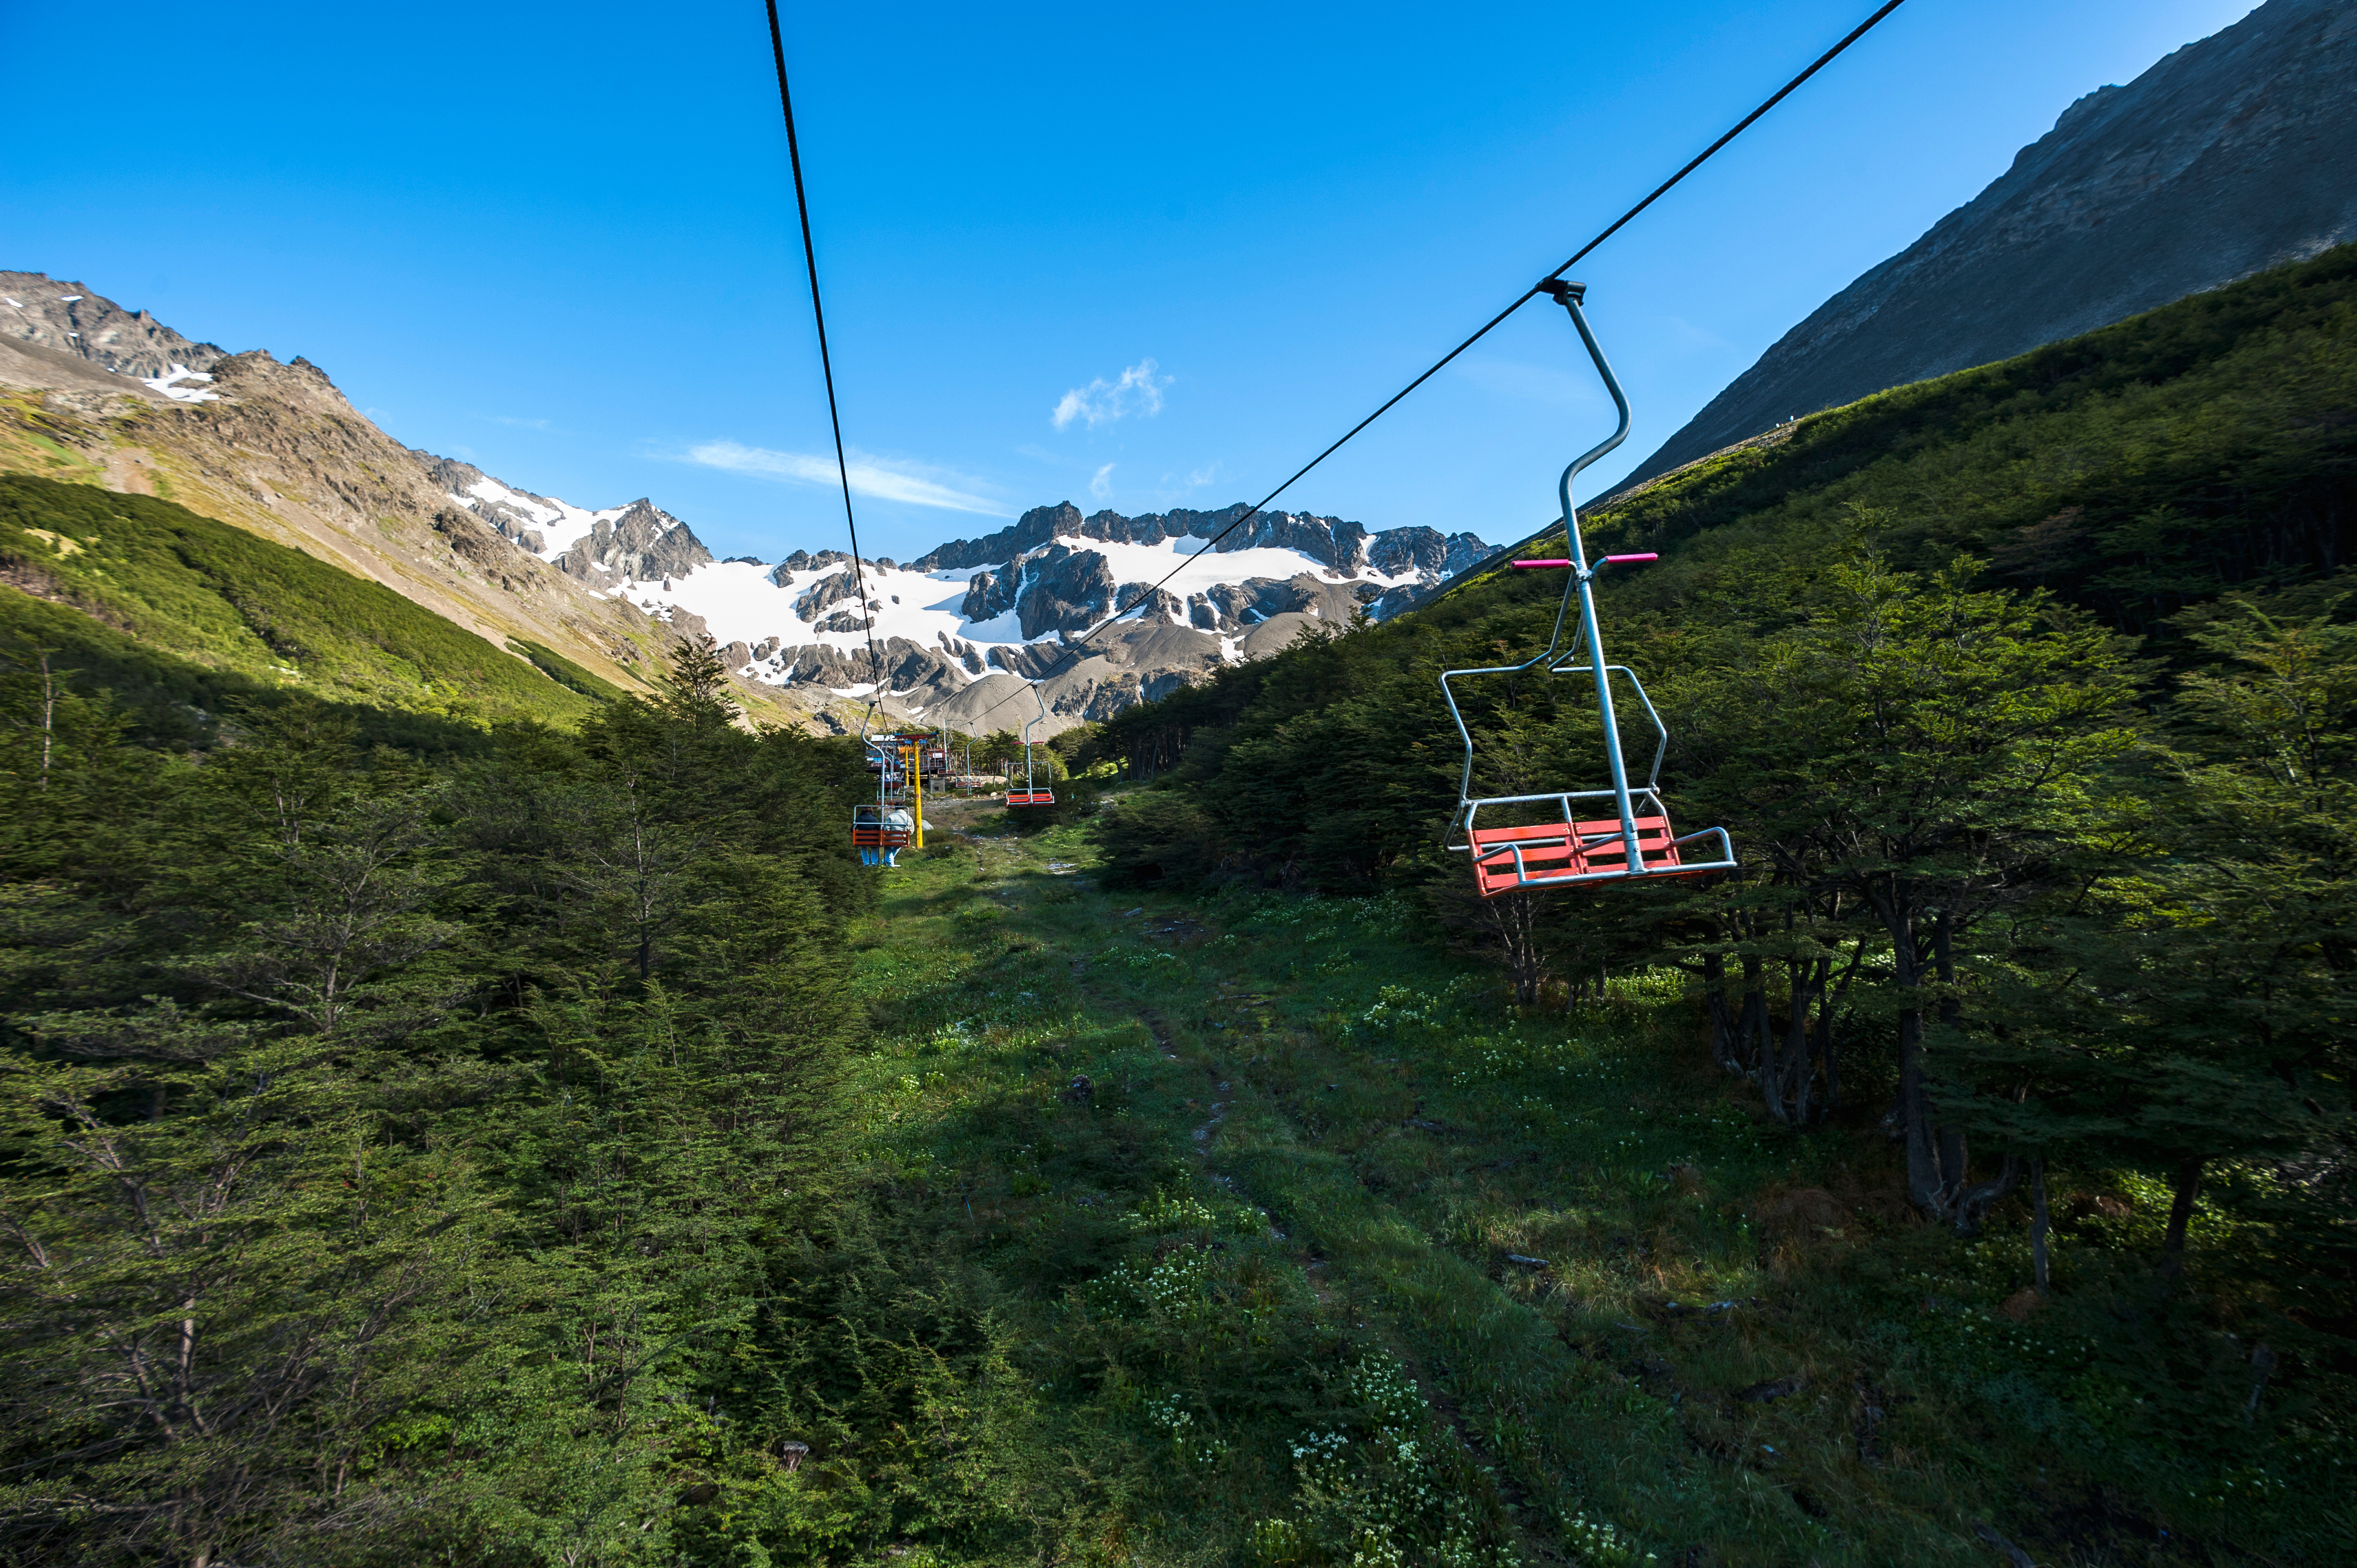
<point x="1575" y="851"/>
<point x="1030" y="796"/>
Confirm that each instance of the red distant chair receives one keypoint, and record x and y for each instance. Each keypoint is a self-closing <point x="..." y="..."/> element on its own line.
<point x="870" y="831"/>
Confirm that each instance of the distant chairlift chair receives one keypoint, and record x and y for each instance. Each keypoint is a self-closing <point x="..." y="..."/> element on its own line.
<point x="881" y="830"/>
<point x="1569" y="849"/>
<point x="1031" y="794"/>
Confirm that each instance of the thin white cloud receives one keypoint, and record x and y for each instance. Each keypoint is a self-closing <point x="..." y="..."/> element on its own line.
<point x="1537" y="383"/>
<point x="1175" y="488"/>
<point x="878" y="477"/>
<point x="511" y="421"/>
<point x="1690" y="336"/>
<point x="1100" y="483"/>
<point x="1138" y="390"/>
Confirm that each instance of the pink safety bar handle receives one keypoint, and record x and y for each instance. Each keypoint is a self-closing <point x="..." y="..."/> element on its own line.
<point x="1609" y="561"/>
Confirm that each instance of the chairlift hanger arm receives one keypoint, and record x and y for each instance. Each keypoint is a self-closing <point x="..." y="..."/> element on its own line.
<point x="1569" y="294"/>
<point x="1032" y="794"/>
<point x="1637" y="840"/>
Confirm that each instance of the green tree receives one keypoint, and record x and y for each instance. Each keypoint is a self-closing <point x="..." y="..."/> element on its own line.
<point x="211" y="1304"/>
<point x="1937" y="753"/>
<point x="2192" y="1011"/>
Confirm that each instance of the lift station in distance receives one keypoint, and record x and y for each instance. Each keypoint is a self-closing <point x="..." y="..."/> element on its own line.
<point x="907" y="767"/>
<point x="1565" y="847"/>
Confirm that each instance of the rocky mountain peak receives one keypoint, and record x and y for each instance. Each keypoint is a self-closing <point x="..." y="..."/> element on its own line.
<point x="2232" y="155"/>
<point x="642" y="543"/>
<point x="299" y="381"/>
<point x="71" y="318"/>
<point x="1340" y="545"/>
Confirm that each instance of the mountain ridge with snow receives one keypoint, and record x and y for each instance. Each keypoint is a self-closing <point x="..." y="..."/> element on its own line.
<point x="953" y="636"/>
<point x="1014" y="603"/>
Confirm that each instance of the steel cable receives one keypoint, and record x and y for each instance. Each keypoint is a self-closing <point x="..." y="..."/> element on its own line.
<point x="1072" y="649"/>
<point x="825" y="364"/>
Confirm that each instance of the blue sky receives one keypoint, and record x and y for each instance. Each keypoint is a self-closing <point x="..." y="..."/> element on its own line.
<point x="1124" y="256"/>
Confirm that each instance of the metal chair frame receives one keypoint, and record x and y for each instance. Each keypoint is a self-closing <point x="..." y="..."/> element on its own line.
<point x="1032" y="796"/>
<point x="871" y="832"/>
<point x="1580" y="586"/>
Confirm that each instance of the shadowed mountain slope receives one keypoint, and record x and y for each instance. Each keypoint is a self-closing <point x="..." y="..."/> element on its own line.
<point x="2232" y="155"/>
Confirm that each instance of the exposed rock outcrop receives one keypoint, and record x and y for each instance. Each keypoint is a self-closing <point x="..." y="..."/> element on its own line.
<point x="1395" y="551"/>
<point x="37" y="308"/>
<point x="1065" y="590"/>
<point x="643" y="544"/>
<point x="990" y="594"/>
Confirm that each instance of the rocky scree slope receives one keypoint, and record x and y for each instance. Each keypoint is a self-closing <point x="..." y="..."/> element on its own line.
<point x="2231" y="155"/>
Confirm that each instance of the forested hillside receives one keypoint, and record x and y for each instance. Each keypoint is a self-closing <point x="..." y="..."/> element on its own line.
<point x="2029" y="697"/>
<point x="431" y="1134"/>
<point x="400" y="1156"/>
<point x="175" y="613"/>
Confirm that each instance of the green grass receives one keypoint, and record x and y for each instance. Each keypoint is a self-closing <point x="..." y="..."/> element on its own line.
<point x="1287" y="1210"/>
<point x="202" y="594"/>
<point x="173" y="700"/>
<point x="71" y="462"/>
<point x="565" y="673"/>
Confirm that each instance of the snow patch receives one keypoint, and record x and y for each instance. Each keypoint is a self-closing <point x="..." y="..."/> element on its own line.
<point x="532" y="506"/>
<point x="741" y="602"/>
<point x="168" y="384"/>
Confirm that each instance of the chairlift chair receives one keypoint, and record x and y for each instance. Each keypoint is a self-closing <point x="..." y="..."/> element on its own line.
<point x="1580" y="845"/>
<point x="871" y="824"/>
<point x="871" y="828"/>
<point x="1031" y="794"/>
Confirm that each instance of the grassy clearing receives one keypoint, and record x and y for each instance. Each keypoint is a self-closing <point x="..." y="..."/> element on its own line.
<point x="1303" y="1249"/>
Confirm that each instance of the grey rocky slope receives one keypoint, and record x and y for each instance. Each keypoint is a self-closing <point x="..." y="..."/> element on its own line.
<point x="2232" y="155"/>
<point x="278" y="450"/>
<point x="35" y="308"/>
